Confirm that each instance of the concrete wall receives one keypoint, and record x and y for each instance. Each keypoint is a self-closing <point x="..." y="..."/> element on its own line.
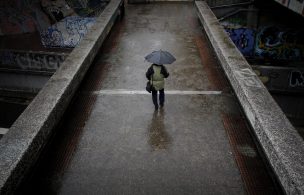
<point x="27" y="71"/>
<point x="282" y="144"/>
<point x="21" y="146"/>
<point x="27" y="82"/>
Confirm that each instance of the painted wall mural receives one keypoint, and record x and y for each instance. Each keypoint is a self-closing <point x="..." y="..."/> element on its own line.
<point x="269" y="42"/>
<point x="281" y="79"/>
<point x="57" y="10"/>
<point x="243" y="38"/>
<point x="279" y="44"/>
<point x="14" y="22"/>
<point x="18" y="17"/>
<point x="67" y="33"/>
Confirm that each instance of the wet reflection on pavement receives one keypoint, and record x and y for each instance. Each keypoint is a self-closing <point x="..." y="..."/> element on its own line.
<point x="158" y="137"/>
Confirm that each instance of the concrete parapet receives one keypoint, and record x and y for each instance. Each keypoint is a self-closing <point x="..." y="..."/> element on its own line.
<point x="21" y="146"/>
<point x="283" y="146"/>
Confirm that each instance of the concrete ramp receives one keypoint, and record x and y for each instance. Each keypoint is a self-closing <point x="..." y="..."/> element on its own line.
<point x="112" y="141"/>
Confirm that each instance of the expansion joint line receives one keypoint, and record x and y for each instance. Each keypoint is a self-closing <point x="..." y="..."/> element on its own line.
<point x="142" y="92"/>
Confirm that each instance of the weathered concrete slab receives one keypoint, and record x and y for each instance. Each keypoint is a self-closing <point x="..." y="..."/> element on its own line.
<point x="3" y="131"/>
<point x="21" y="146"/>
<point x="181" y="149"/>
<point x="282" y="144"/>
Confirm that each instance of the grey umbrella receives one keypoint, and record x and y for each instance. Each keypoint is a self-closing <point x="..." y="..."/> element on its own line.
<point x="160" y="57"/>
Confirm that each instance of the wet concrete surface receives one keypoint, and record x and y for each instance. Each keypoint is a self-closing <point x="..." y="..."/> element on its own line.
<point x="128" y="148"/>
<point x="118" y="144"/>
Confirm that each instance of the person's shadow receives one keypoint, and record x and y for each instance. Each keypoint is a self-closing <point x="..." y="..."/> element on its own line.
<point x="158" y="137"/>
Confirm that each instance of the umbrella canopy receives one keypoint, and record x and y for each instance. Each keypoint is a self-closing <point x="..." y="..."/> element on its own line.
<point x="160" y="57"/>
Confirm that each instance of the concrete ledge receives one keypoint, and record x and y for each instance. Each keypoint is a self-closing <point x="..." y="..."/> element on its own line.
<point x="281" y="143"/>
<point x="21" y="146"/>
<point x="3" y="131"/>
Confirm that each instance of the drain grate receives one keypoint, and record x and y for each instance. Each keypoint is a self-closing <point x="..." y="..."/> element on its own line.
<point x="253" y="171"/>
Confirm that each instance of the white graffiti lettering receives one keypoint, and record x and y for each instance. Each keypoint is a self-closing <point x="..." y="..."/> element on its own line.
<point x="31" y="60"/>
<point x="296" y="79"/>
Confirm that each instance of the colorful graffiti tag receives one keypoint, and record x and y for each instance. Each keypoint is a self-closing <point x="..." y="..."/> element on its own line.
<point x="18" y="16"/>
<point x="275" y="43"/>
<point x="66" y="33"/>
<point x="281" y="79"/>
<point x="243" y="38"/>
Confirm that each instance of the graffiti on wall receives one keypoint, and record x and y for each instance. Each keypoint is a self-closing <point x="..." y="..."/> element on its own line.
<point x="14" y="22"/>
<point x="31" y="60"/>
<point x="18" y="17"/>
<point x="87" y="8"/>
<point x="274" y="43"/>
<point x="297" y="79"/>
<point x="282" y="79"/>
<point x="243" y="38"/>
<point x="66" y="33"/>
<point x="57" y="10"/>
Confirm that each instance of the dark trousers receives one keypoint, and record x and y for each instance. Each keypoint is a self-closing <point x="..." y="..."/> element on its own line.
<point x="161" y="97"/>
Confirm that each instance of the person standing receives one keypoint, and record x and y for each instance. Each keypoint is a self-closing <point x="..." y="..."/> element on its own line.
<point x="157" y="74"/>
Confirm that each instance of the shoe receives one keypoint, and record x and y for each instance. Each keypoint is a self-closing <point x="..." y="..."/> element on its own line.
<point x="156" y="107"/>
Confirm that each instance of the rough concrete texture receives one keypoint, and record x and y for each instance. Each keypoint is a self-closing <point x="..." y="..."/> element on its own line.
<point x="21" y="146"/>
<point x="113" y="142"/>
<point x="171" y="151"/>
<point x="282" y="144"/>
